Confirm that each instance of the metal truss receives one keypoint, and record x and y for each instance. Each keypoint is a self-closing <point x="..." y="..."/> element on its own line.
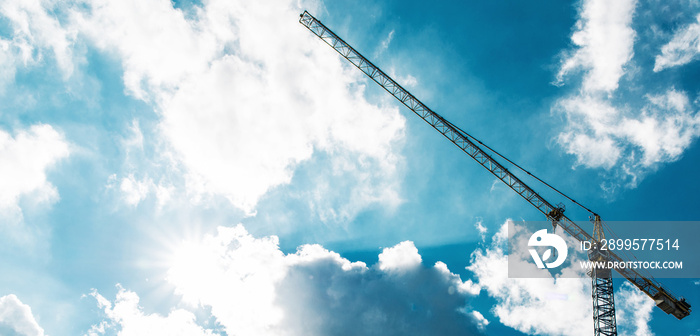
<point x="432" y="118"/>
<point x="604" y="323"/>
<point x="602" y="287"/>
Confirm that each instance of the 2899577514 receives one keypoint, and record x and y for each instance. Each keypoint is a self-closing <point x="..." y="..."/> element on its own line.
<point x="641" y="244"/>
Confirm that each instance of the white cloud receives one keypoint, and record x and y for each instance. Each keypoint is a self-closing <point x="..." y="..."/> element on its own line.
<point x="544" y="306"/>
<point x="604" y="41"/>
<point x="133" y="143"/>
<point x="135" y="191"/>
<point x="682" y="49"/>
<point x="591" y="152"/>
<point x="255" y="289"/>
<point x="400" y="258"/>
<point x="481" y="228"/>
<point x="128" y="318"/>
<point x="602" y="135"/>
<point x="590" y="131"/>
<point x="549" y="306"/>
<point x="633" y="311"/>
<point x="35" y="32"/>
<point x="24" y="160"/>
<point x="627" y="138"/>
<point x="384" y="45"/>
<point x="138" y="161"/>
<point x="482" y="322"/>
<point x="159" y="49"/>
<point x="236" y="275"/>
<point x="18" y="316"/>
<point x="246" y="93"/>
<point x="8" y="60"/>
<point x="363" y="185"/>
<point x="315" y="291"/>
<point x="406" y="81"/>
<point x="604" y="45"/>
<point x="666" y="127"/>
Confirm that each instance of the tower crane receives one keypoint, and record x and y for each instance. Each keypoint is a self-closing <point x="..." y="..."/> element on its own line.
<point x="601" y="279"/>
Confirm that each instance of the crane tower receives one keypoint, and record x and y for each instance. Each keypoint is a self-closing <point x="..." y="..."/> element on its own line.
<point x="602" y="284"/>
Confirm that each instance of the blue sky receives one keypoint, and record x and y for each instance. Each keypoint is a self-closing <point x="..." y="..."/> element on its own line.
<point x="212" y="168"/>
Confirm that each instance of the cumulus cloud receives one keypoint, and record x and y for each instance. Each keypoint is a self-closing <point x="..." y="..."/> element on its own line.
<point x="245" y="94"/>
<point x="626" y="138"/>
<point x="253" y="288"/>
<point x="126" y="316"/>
<point x="400" y="258"/>
<point x="548" y="305"/>
<point x="682" y="49"/>
<point x="24" y="160"/>
<point x="235" y="274"/>
<point x="18" y="317"/>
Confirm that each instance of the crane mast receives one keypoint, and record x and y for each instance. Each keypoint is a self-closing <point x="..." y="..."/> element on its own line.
<point x="602" y="288"/>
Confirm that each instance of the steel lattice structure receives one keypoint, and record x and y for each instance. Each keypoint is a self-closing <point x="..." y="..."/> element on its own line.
<point x="603" y="302"/>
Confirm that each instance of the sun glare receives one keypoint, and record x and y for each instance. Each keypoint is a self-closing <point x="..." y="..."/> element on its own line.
<point x="192" y="266"/>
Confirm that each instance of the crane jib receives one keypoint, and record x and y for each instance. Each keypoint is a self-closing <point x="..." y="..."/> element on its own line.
<point x="653" y="289"/>
<point x="432" y="118"/>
